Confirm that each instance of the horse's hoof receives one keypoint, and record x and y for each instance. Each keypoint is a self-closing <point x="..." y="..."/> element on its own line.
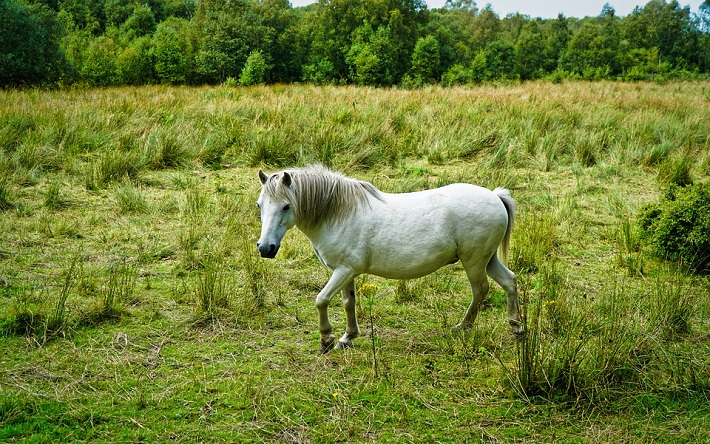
<point x="326" y="345"/>
<point x="517" y="328"/>
<point x="342" y="345"/>
<point x="461" y="327"/>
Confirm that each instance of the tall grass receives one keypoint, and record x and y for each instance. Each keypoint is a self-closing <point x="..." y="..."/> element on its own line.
<point x="114" y="294"/>
<point x="130" y="198"/>
<point x="5" y="194"/>
<point x="42" y="315"/>
<point x="211" y="289"/>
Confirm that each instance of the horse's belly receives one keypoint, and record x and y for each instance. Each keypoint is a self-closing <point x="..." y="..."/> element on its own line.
<point x="410" y="265"/>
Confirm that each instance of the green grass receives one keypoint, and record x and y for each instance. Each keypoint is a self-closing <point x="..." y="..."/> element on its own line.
<point x="134" y="306"/>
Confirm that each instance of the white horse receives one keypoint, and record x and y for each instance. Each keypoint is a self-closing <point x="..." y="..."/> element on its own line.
<point x="355" y="228"/>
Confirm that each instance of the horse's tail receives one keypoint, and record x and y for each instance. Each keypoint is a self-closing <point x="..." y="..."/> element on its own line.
<point x="509" y="204"/>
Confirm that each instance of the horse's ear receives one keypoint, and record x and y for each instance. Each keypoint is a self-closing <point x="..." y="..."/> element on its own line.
<point x="262" y="177"/>
<point x="286" y="179"/>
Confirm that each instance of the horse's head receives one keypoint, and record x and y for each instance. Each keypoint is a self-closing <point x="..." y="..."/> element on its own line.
<point x="277" y="214"/>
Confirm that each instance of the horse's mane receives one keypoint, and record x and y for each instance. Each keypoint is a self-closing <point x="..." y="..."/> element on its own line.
<point x="318" y="194"/>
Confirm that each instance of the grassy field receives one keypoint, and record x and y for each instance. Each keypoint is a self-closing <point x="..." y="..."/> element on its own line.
<point x="134" y="306"/>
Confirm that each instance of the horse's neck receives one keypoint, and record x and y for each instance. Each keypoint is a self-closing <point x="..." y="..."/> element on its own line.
<point x="331" y="228"/>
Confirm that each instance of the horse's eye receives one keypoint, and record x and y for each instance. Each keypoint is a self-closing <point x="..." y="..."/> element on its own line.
<point x="258" y="206"/>
<point x="287" y="207"/>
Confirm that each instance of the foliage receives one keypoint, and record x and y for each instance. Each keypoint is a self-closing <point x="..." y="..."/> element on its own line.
<point x="171" y="50"/>
<point x="224" y="34"/>
<point x="426" y="60"/>
<point x="254" y="72"/>
<point x="364" y="42"/>
<point x="134" y="64"/>
<point x="678" y="227"/>
<point x="30" y="53"/>
<point x="371" y="57"/>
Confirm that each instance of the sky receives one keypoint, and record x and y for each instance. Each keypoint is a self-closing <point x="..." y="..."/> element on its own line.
<point x="550" y="8"/>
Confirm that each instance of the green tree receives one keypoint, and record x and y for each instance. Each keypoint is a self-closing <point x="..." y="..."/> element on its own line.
<point x="172" y="51"/>
<point x="135" y="63"/>
<point x="593" y="51"/>
<point x="117" y="12"/>
<point x="329" y="31"/>
<point x="479" y="67"/>
<point x="500" y="60"/>
<point x="140" y="23"/>
<point x="254" y="72"/>
<point x="87" y="15"/>
<point x="336" y="26"/>
<point x="426" y="61"/>
<point x="529" y="52"/>
<point x="225" y="32"/>
<point x="99" y="62"/>
<point x="483" y="29"/>
<point x="445" y="27"/>
<point x="184" y="9"/>
<point x="285" y="44"/>
<point x="667" y="27"/>
<point x="29" y="44"/>
<point x="555" y="34"/>
<point x="371" y="57"/>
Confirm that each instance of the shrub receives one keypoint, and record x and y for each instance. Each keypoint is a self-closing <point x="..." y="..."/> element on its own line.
<point x="254" y="71"/>
<point x="456" y="75"/>
<point x="678" y="227"/>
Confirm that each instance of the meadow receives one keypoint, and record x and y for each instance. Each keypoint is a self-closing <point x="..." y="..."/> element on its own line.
<point x="134" y="306"/>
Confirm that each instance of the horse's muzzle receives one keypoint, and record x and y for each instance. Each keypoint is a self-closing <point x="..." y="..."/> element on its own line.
<point x="267" y="251"/>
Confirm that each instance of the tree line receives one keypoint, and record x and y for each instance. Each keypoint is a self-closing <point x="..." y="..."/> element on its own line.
<point x="364" y="42"/>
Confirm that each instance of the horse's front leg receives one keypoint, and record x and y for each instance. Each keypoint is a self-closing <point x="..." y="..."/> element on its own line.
<point x="338" y="281"/>
<point x="352" y="330"/>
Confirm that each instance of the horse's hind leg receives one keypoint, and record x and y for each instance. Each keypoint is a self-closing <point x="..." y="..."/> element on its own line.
<point x="479" y="288"/>
<point x="507" y="280"/>
<point x="352" y="330"/>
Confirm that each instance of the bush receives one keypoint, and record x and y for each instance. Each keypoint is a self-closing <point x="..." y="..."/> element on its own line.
<point x="456" y="75"/>
<point x="254" y="71"/>
<point x="678" y="227"/>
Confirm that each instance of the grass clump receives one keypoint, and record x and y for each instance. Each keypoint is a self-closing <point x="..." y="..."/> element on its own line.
<point x="5" y="194"/>
<point x="629" y="251"/>
<point x="115" y="294"/>
<point x="53" y="197"/>
<point x="673" y="303"/>
<point x="676" y="170"/>
<point x="114" y="166"/>
<point x="167" y="151"/>
<point x="130" y="198"/>
<point x="211" y="288"/>
<point x="41" y="316"/>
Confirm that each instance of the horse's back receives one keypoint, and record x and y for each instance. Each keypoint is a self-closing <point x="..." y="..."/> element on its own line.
<point x="458" y="201"/>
